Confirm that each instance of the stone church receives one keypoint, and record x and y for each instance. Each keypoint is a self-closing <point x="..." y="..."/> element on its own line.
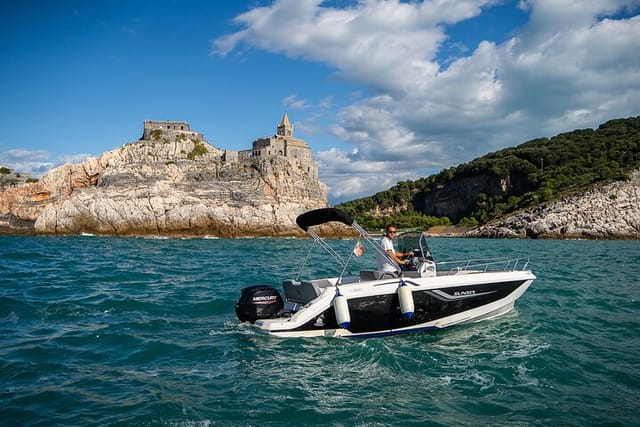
<point x="282" y="144"/>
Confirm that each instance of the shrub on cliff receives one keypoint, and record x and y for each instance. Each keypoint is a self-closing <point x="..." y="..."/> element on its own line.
<point x="198" y="150"/>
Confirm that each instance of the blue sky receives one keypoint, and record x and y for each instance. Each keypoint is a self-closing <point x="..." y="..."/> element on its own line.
<point x="382" y="91"/>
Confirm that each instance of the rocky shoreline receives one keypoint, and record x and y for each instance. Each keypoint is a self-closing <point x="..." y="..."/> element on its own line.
<point x="608" y="212"/>
<point x="447" y="231"/>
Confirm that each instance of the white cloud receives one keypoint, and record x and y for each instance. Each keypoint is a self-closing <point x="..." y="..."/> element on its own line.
<point x="35" y="162"/>
<point x="573" y="65"/>
<point x="294" y="102"/>
<point x="22" y="155"/>
<point x="349" y="178"/>
<point x="314" y="112"/>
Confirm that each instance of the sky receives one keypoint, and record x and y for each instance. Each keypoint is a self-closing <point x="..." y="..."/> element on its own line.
<point x="382" y="91"/>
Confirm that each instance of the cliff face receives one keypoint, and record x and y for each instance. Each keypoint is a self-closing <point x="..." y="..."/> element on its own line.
<point x="458" y="197"/>
<point x="605" y="212"/>
<point x="157" y="187"/>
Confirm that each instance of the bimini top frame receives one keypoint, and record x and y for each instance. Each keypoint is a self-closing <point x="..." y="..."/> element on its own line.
<point x="325" y="215"/>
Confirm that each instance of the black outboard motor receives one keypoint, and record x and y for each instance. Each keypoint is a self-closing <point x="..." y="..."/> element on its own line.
<point x="259" y="302"/>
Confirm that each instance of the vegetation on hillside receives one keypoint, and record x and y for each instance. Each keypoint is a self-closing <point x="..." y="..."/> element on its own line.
<point x="536" y="171"/>
<point x="199" y="149"/>
<point x="9" y="179"/>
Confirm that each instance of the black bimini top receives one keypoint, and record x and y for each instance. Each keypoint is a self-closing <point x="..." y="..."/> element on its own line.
<point x="322" y="216"/>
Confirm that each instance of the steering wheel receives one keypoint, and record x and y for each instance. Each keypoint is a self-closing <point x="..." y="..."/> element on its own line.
<point x="411" y="265"/>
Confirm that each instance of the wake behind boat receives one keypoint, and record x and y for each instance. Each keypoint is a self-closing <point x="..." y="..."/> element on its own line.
<point x="424" y="295"/>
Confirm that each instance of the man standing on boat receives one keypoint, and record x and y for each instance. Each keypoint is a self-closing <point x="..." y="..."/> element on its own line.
<point x="385" y="264"/>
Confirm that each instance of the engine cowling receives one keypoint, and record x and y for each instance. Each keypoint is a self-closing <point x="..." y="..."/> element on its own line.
<point x="259" y="302"/>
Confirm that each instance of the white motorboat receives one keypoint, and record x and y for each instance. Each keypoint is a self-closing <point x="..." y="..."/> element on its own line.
<point x="423" y="296"/>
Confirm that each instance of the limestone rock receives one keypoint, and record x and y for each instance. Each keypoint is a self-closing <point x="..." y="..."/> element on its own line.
<point x="609" y="211"/>
<point x="160" y="187"/>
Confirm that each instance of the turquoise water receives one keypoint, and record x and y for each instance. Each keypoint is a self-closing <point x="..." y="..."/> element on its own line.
<point x="104" y="331"/>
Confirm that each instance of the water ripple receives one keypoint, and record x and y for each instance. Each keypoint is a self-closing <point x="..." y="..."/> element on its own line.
<point x="142" y="332"/>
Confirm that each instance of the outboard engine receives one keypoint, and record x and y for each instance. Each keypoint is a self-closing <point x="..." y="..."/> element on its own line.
<point x="259" y="302"/>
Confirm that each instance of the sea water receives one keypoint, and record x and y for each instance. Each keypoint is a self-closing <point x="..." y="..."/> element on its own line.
<point x="125" y="331"/>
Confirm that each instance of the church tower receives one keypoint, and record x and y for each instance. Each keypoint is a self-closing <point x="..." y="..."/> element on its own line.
<point x="285" y="128"/>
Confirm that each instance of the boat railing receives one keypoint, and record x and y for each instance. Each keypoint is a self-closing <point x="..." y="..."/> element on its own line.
<point x="483" y="265"/>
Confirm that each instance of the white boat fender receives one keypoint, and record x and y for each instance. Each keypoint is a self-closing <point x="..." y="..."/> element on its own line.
<point x="341" y="309"/>
<point x="406" y="300"/>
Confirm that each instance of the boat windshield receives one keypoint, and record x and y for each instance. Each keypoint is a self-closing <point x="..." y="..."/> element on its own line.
<point x="414" y="241"/>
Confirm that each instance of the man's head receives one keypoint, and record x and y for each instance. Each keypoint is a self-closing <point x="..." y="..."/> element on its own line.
<point x="390" y="231"/>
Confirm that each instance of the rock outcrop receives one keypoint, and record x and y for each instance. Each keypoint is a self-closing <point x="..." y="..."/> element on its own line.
<point x="606" y="212"/>
<point x="179" y="187"/>
<point x="457" y="198"/>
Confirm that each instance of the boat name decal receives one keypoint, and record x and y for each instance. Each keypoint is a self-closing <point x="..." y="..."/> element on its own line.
<point x="457" y="295"/>
<point x="463" y="293"/>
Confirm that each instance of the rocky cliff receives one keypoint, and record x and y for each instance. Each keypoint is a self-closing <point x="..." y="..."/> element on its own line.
<point x="458" y="197"/>
<point x="160" y="187"/>
<point x="606" y="212"/>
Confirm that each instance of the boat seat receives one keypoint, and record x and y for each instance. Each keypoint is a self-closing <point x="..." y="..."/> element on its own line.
<point x="375" y="275"/>
<point x="303" y="292"/>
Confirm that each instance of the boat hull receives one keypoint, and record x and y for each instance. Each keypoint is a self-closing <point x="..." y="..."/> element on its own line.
<point x="374" y="306"/>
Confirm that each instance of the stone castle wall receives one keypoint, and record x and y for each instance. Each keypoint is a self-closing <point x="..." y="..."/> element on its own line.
<point x="172" y="127"/>
<point x="283" y="144"/>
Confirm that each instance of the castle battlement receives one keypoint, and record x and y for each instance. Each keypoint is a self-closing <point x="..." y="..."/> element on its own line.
<point x="172" y="127"/>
